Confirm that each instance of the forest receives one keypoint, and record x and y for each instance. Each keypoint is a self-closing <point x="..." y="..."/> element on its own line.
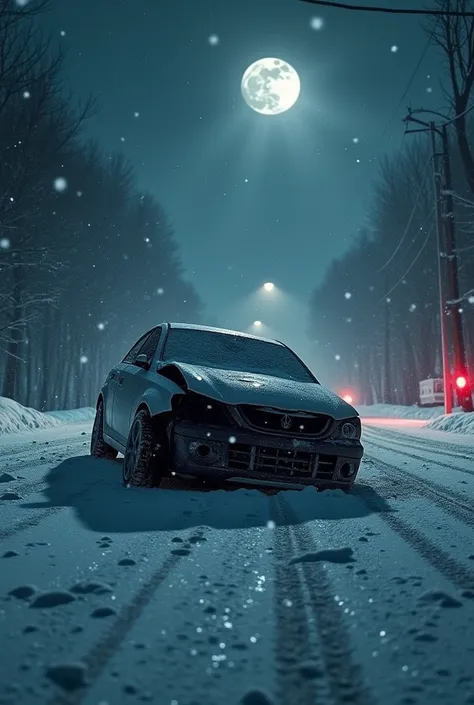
<point x="375" y="319"/>
<point x="73" y="223"/>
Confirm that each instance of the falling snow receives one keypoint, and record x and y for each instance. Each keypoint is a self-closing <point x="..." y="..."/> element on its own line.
<point x="316" y="23"/>
<point x="213" y="40"/>
<point x="4" y="243"/>
<point x="83" y="359"/>
<point x="60" y="184"/>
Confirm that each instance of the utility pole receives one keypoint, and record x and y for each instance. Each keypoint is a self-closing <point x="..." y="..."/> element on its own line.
<point x="448" y="395"/>
<point x="387" y="396"/>
<point x="447" y="251"/>
<point x="464" y="395"/>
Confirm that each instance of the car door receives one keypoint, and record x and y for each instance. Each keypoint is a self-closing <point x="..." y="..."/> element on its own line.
<point x="112" y="384"/>
<point x="132" y="382"/>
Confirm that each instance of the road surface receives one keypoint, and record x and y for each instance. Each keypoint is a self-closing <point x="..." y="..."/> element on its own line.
<point x="111" y="595"/>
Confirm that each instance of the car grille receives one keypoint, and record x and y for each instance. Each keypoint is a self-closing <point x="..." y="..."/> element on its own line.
<point x="278" y="462"/>
<point x="285" y="423"/>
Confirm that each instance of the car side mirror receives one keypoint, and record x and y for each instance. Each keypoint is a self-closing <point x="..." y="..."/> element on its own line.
<point x="142" y="361"/>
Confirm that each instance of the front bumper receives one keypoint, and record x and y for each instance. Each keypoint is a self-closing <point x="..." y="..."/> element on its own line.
<point x="252" y="457"/>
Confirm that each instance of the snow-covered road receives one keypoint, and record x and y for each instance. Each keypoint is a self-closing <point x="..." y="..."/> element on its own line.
<point x="111" y="595"/>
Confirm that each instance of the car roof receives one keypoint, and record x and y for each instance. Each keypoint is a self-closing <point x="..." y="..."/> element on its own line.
<point x="225" y="331"/>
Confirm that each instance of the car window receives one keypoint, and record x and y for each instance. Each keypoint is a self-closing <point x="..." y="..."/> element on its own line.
<point x="131" y="355"/>
<point x="234" y="352"/>
<point x="149" y="345"/>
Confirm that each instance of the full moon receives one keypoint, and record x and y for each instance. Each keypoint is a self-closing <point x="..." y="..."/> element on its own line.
<point x="270" y="86"/>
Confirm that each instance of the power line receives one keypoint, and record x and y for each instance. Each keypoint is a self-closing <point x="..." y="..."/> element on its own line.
<point x="408" y="270"/>
<point x="389" y="10"/>
<point x="412" y="214"/>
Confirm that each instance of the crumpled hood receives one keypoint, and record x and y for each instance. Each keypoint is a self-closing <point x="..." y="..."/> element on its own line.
<point x="234" y="387"/>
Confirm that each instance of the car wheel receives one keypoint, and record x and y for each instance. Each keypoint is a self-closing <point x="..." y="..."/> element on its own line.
<point x="99" y="448"/>
<point x="140" y="462"/>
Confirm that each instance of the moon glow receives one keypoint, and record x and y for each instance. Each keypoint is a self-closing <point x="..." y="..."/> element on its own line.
<point x="270" y="86"/>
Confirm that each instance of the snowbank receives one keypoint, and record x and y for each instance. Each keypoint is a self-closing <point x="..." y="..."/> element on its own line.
<point x="14" y="417"/>
<point x="395" y="411"/>
<point x="454" y="423"/>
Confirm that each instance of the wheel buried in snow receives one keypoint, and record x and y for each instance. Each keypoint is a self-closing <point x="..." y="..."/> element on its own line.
<point x="144" y="459"/>
<point x="99" y="448"/>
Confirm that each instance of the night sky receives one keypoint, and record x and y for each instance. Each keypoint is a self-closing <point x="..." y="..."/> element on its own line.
<point x="252" y="198"/>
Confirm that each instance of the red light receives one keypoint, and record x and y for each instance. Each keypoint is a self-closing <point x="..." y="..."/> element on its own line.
<point x="461" y="382"/>
<point x="348" y="398"/>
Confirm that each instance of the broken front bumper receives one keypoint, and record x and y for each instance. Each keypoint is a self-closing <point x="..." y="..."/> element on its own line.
<point x="251" y="457"/>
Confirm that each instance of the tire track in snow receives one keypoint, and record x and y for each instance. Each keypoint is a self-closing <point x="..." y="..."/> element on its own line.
<point x="293" y="642"/>
<point x="439" y="463"/>
<point x="39" y="516"/>
<point x="344" y="677"/>
<point x="105" y="648"/>
<point x="458" y="574"/>
<point x="454" y="503"/>
<point x="449" y="449"/>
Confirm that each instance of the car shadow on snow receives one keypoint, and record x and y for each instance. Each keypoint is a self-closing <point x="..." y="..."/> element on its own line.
<point x="93" y="489"/>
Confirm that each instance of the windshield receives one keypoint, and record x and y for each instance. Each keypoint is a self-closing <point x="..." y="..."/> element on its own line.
<point x="234" y="352"/>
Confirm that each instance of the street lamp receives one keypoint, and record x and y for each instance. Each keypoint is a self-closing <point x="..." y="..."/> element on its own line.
<point x="269" y="286"/>
<point x="257" y="324"/>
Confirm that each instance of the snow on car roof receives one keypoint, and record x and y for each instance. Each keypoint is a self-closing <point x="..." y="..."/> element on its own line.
<point x="225" y="331"/>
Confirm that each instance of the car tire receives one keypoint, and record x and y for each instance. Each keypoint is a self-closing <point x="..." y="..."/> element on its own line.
<point x="99" y="448"/>
<point x="140" y="463"/>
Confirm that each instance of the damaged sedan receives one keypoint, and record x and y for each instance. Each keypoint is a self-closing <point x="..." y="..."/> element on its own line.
<point x="218" y="404"/>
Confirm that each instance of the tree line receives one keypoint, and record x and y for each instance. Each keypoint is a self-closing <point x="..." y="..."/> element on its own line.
<point x="375" y="318"/>
<point x="87" y="261"/>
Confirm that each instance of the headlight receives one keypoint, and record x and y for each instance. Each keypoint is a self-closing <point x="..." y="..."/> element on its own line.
<point x="349" y="430"/>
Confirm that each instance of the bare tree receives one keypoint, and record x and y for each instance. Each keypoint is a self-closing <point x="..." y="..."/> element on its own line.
<point x="455" y="36"/>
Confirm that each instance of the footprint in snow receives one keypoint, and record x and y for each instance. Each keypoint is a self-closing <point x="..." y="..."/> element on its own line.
<point x="10" y="495"/>
<point x="443" y="599"/>
<point x="10" y="554"/>
<point x="54" y="598"/>
<point x="177" y="539"/>
<point x="102" y="612"/>
<point x="69" y="676"/>
<point x="181" y="552"/>
<point x="7" y="477"/>
<point x="197" y="539"/>
<point x="94" y="587"/>
<point x="127" y="561"/>
<point x="23" y="592"/>
<point x="256" y="697"/>
<point x="329" y="555"/>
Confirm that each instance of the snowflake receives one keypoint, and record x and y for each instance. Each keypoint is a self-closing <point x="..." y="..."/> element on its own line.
<point x="337" y="357"/>
<point x="394" y="49"/>
<point x="232" y="439"/>
<point x="316" y="23"/>
<point x="26" y="94"/>
<point x="60" y="184"/>
<point x="101" y="326"/>
<point x="5" y="243"/>
<point x="78" y="194"/>
<point x="429" y="89"/>
<point x="83" y="359"/>
<point x="213" y="40"/>
<point x="355" y="140"/>
<point x="348" y="295"/>
<point x="412" y="308"/>
<point x="160" y="291"/>
<point x="388" y="299"/>
<point x="270" y="524"/>
<point x="470" y="299"/>
<point x="62" y="33"/>
<point x="136" y="114"/>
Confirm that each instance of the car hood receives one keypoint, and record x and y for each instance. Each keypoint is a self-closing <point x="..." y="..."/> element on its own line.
<point x="233" y="387"/>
